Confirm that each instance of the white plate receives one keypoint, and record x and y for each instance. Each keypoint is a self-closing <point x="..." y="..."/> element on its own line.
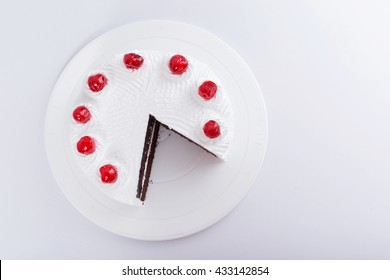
<point x="190" y="191"/>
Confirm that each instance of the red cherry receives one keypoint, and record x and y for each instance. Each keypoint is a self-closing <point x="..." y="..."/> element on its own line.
<point x="207" y="90"/>
<point x="86" y="145"/>
<point x="178" y="64"/>
<point x="211" y="129"/>
<point x="97" y="82"/>
<point x="133" y="61"/>
<point x="108" y="173"/>
<point x="81" y="114"/>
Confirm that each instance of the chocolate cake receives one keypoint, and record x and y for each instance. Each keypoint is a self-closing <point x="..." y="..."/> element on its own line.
<point x="123" y="103"/>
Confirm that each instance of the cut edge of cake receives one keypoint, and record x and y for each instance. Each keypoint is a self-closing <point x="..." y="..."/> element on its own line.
<point x="150" y="145"/>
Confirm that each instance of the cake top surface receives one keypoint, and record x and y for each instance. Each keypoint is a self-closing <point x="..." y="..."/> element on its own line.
<point x="111" y="114"/>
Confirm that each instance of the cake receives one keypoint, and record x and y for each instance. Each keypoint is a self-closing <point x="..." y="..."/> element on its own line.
<point x="122" y="104"/>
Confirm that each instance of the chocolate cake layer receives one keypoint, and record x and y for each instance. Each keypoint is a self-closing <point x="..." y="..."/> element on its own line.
<point x="149" y="165"/>
<point x="148" y="138"/>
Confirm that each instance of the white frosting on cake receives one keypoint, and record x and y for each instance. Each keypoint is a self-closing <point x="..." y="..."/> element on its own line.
<point x="120" y="114"/>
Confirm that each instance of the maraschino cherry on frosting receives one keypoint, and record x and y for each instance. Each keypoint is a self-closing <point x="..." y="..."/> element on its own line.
<point x="86" y="145"/>
<point x="133" y="61"/>
<point x="81" y="114"/>
<point x="108" y="174"/>
<point x="207" y="90"/>
<point x="178" y="64"/>
<point x="97" y="82"/>
<point x="211" y="129"/>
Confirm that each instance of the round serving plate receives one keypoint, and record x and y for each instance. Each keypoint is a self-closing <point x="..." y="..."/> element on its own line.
<point x="190" y="189"/>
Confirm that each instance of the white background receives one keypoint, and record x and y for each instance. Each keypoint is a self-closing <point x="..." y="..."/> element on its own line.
<point x="324" y="68"/>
